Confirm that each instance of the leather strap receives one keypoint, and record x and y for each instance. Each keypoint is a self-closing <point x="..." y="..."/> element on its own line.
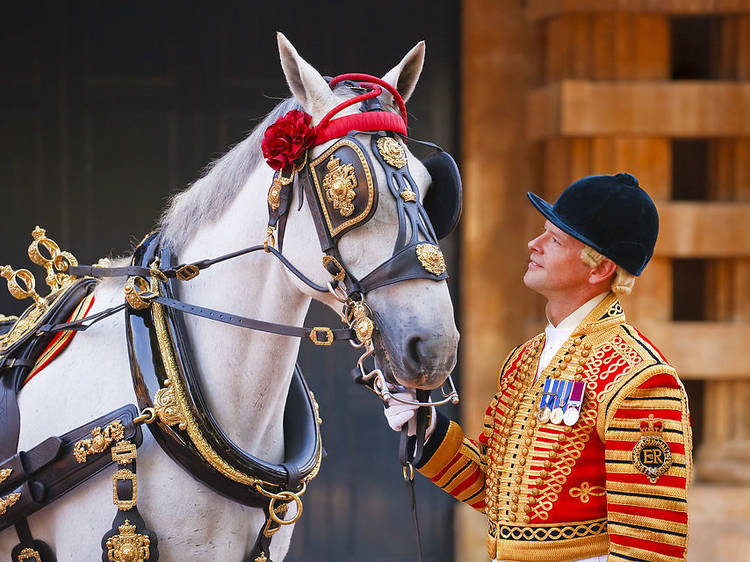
<point x="263" y="326"/>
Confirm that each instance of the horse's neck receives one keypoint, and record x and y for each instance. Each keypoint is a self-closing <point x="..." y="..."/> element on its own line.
<point x="245" y="373"/>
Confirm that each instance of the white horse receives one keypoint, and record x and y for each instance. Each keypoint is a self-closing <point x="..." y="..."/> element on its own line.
<point x="223" y="211"/>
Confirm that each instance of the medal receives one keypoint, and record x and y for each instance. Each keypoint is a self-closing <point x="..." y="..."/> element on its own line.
<point x="548" y="399"/>
<point x="573" y="411"/>
<point x="561" y="400"/>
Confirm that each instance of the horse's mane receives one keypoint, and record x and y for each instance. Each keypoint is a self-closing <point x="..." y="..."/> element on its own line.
<point x="207" y="198"/>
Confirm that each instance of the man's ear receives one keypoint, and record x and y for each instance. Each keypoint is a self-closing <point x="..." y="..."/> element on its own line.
<point x="605" y="270"/>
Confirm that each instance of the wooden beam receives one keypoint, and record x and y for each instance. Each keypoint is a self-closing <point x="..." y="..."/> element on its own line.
<point x="703" y="230"/>
<point x="545" y="9"/>
<point x="703" y="350"/>
<point x="677" y="109"/>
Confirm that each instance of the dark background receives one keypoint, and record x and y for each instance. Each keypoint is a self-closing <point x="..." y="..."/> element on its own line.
<point x="108" y="108"/>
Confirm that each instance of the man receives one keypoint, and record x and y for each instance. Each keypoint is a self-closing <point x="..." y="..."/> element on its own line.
<point x="586" y="447"/>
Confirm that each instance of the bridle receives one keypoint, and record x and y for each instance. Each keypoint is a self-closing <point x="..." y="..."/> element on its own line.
<point x="342" y="195"/>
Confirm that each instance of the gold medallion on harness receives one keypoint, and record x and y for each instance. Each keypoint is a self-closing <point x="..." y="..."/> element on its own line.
<point x="392" y="152"/>
<point x="431" y="258"/>
<point x="339" y="184"/>
<point x="128" y="546"/>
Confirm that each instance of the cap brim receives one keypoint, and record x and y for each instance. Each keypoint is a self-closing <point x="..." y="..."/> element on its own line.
<point x="546" y="209"/>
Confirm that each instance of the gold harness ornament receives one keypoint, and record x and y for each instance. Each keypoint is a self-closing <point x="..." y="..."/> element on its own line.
<point x="29" y="554"/>
<point x="431" y="258"/>
<point x="99" y="442"/>
<point x="339" y="184"/>
<point x="392" y="152"/>
<point x="4" y="474"/>
<point x="8" y="501"/>
<point x="128" y="546"/>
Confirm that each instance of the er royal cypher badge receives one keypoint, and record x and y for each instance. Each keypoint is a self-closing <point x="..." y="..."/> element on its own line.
<point x="652" y="455"/>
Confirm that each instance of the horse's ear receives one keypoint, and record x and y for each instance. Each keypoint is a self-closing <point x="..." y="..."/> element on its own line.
<point x="404" y="75"/>
<point x="305" y="83"/>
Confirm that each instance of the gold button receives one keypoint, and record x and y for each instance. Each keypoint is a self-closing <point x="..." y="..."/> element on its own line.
<point x="532" y="500"/>
<point x="536" y="492"/>
<point x="522" y="461"/>
<point x="582" y="361"/>
<point x="543" y="474"/>
<point x="562" y="437"/>
<point x="527" y="509"/>
<point x="532" y="423"/>
<point x="539" y="481"/>
<point x="525" y="451"/>
<point x="547" y="464"/>
<point x="585" y="352"/>
<point x="518" y="479"/>
<point x="506" y="431"/>
<point x="512" y="516"/>
<point x="514" y="499"/>
<point x="552" y="455"/>
<point x="568" y="429"/>
<point x="521" y="470"/>
<point x="579" y="369"/>
<point x="526" y="518"/>
<point x="587" y="345"/>
<point x="516" y="490"/>
<point x="557" y="446"/>
<point x="527" y="441"/>
<point x="579" y="377"/>
<point x="563" y="365"/>
<point x="572" y="348"/>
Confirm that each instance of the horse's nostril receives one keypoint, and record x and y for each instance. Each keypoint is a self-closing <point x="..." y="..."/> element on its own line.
<point x="414" y="351"/>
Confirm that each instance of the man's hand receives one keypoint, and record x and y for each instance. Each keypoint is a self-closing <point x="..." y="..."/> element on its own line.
<point x="397" y="413"/>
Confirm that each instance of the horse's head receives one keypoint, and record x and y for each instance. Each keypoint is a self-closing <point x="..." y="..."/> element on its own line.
<point x="365" y="193"/>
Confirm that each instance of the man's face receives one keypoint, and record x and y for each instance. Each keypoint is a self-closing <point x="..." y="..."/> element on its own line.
<point x="555" y="266"/>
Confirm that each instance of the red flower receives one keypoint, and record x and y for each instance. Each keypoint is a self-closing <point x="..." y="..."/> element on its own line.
<point x="287" y="139"/>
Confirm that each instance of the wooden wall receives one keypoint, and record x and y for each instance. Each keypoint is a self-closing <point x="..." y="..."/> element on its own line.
<point x="571" y="88"/>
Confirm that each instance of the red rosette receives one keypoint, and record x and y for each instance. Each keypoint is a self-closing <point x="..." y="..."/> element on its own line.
<point x="288" y="139"/>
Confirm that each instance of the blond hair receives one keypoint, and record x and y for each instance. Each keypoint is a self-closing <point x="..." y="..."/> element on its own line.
<point x="622" y="281"/>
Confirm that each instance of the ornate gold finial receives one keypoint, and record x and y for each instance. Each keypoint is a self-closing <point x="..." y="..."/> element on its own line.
<point x="339" y="184"/>
<point x="392" y="152"/>
<point x="128" y="546"/>
<point x="431" y="258"/>
<point x="24" y="277"/>
<point x="56" y="262"/>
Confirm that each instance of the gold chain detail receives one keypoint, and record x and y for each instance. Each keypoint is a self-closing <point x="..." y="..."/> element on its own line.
<point x="531" y="533"/>
<point x="99" y="441"/>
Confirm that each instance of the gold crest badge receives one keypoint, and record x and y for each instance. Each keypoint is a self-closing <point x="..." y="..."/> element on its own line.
<point x="431" y="258"/>
<point x="652" y="455"/>
<point x="392" y="152"/>
<point x="128" y="546"/>
<point x="339" y="184"/>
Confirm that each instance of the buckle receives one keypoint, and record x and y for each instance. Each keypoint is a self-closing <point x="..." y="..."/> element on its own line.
<point x="187" y="272"/>
<point x="125" y="504"/>
<point x="138" y="293"/>
<point x="29" y="554"/>
<point x="340" y="275"/>
<point x="326" y="332"/>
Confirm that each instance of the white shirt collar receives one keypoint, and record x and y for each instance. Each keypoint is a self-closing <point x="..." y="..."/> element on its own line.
<point x="555" y="336"/>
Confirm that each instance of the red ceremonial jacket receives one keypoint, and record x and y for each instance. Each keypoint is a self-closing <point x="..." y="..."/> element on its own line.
<point x="613" y="483"/>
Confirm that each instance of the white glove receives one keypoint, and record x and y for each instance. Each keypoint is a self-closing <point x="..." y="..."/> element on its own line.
<point x="397" y="414"/>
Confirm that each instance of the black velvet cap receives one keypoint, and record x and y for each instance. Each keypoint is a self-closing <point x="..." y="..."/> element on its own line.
<point x="612" y="214"/>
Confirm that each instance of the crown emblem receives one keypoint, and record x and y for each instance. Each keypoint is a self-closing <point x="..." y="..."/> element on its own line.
<point x="651" y="426"/>
<point x="652" y="455"/>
